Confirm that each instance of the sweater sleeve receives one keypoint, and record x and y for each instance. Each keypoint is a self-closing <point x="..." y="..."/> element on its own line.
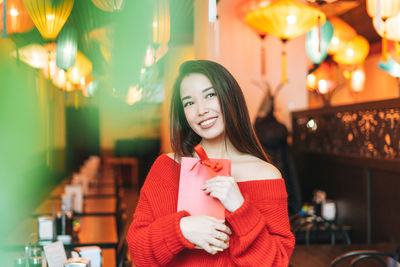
<point x="154" y="242"/>
<point x="261" y="233"/>
<point x="154" y="236"/>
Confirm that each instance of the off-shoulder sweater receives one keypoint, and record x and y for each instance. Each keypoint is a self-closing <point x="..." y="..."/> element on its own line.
<point x="260" y="227"/>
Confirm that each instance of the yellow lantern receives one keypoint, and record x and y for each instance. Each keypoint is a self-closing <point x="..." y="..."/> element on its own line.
<point x="81" y="69"/>
<point x="342" y="33"/>
<point x="34" y="55"/>
<point x="285" y="19"/>
<point x="49" y="16"/>
<point x="109" y="5"/>
<point x="161" y="22"/>
<point x="387" y="8"/>
<point x="245" y="7"/>
<point x="17" y="18"/>
<point x="353" y="52"/>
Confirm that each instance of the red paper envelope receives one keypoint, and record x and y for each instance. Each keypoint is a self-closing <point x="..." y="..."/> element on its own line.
<point x="194" y="173"/>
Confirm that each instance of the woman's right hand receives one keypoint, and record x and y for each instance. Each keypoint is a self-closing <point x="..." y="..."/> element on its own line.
<point x="206" y="232"/>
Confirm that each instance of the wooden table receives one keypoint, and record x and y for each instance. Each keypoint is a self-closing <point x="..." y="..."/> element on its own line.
<point x="322" y="255"/>
<point x="94" y="191"/>
<point x="108" y="255"/>
<point x="94" y="231"/>
<point x="91" y="206"/>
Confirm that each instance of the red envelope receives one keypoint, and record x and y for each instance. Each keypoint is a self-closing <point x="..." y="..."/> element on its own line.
<point x="194" y="173"/>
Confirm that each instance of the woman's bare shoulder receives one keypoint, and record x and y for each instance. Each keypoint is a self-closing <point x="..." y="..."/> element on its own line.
<point x="252" y="168"/>
<point x="174" y="157"/>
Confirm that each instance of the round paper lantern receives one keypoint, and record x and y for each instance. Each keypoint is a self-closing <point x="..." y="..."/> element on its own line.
<point x="317" y="42"/>
<point x="161" y="22"/>
<point x="49" y="16"/>
<point x="390" y="29"/>
<point x="81" y="68"/>
<point x="246" y="6"/>
<point x="285" y="19"/>
<point x="353" y="52"/>
<point x="67" y="46"/>
<point x="242" y="9"/>
<point x="342" y="33"/>
<point x="17" y="18"/>
<point x="34" y="55"/>
<point x="109" y="5"/>
<point x="387" y="8"/>
<point x="357" y="80"/>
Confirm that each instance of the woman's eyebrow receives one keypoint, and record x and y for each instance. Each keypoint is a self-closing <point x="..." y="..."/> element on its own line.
<point x="205" y="90"/>
<point x="185" y="97"/>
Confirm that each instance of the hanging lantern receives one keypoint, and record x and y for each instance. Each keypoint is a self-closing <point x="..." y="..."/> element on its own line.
<point x="285" y="19"/>
<point x="109" y="5"/>
<point x="241" y="11"/>
<point x="60" y="79"/>
<point x="17" y="18"/>
<point x="81" y="68"/>
<point x="391" y="67"/>
<point x="381" y="11"/>
<point x="49" y="16"/>
<point x="385" y="10"/>
<point x="357" y="80"/>
<point x="353" y="52"/>
<point x="342" y="33"/>
<point x="390" y="28"/>
<point x="161" y="22"/>
<point x="311" y="81"/>
<point x="67" y="46"/>
<point x="324" y="81"/>
<point x="34" y="55"/>
<point x="317" y="42"/>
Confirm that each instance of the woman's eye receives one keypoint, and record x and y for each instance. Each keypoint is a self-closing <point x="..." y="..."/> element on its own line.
<point x="210" y="95"/>
<point x="187" y="104"/>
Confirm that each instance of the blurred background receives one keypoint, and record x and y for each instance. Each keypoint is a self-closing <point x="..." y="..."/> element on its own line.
<point x="94" y="77"/>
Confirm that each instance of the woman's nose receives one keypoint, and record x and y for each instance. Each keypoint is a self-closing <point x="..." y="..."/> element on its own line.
<point x="202" y="108"/>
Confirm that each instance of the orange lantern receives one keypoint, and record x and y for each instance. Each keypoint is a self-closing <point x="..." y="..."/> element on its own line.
<point x="109" y="5"/>
<point x="285" y="19"/>
<point x="241" y="10"/>
<point x="17" y="18"/>
<point x="49" y="16"/>
<point x="81" y="69"/>
<point x="353" y="52"/>
<point x="34" y="55"/>
<point x="342" y="33"/>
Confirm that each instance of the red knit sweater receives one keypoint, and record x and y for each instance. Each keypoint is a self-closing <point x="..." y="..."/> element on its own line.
<point x="260" y="227"/>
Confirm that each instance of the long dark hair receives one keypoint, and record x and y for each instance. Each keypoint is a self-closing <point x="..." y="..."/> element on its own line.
<point x="238" y="127"/>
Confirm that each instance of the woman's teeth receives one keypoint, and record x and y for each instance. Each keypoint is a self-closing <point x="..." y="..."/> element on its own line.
<point x="207" y="122"/>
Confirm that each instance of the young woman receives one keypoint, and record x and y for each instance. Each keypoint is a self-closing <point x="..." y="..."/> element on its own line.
<point x="208" y="107"/>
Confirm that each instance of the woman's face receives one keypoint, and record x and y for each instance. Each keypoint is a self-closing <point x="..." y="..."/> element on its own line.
<point x="201" y="106"/>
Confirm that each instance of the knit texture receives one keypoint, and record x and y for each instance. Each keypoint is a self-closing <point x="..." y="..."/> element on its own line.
<point x="260" y="227"/>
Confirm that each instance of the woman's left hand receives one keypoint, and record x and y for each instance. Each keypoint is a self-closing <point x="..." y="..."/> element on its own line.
<point x="226" y="190"/>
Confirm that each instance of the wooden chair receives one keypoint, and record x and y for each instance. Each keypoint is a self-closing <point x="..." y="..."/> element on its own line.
<point x="379" y="257"/>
